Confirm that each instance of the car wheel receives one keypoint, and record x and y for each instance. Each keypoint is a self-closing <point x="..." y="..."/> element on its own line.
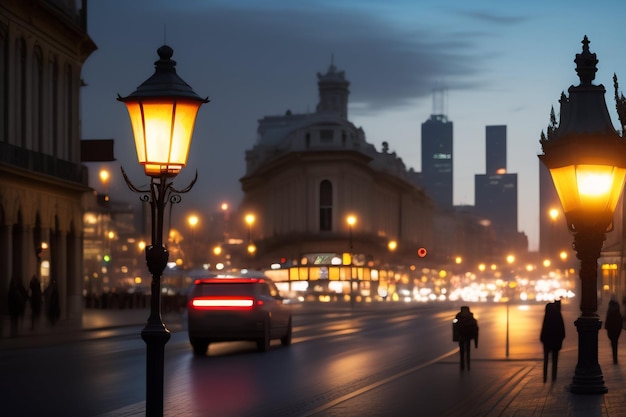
<point x="286" y="339"/>
<point x="200" y="347"/>
<point x="263" y="344"/>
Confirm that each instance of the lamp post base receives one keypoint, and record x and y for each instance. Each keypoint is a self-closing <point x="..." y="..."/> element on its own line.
<point x="588" y="378"/>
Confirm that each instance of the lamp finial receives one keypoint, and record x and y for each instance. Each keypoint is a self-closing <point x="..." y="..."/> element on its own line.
<point x="586" y="64"/>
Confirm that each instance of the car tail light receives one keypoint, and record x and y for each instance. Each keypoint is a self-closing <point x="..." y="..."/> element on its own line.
<point x="223" y="303"/>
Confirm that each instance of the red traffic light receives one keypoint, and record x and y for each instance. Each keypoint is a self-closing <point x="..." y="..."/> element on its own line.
<point x="421" y="252"/>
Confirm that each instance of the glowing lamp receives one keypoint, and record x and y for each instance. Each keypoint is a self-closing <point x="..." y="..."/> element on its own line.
<point x="585" y="155"/>
<point x="162" y="114"/>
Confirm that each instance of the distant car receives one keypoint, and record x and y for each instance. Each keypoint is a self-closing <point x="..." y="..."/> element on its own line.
<point x="232" y="307"/>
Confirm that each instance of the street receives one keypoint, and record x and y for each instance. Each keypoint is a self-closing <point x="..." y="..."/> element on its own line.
<point x="369" y="361"/>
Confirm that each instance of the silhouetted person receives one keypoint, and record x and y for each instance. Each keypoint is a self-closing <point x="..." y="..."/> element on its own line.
<point x="464" y="329"/>
<point x="552" y="335"/>
<point x="17" y="297"/>
<point x="613" y="325"/>
<point x="36" y="299"/>
<point x="52" y="297"/>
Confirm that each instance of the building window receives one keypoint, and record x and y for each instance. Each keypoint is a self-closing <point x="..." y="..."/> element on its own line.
<point x="4" y="101"/>
<point x="326" y="206"/>
<point x="326" y="136"/>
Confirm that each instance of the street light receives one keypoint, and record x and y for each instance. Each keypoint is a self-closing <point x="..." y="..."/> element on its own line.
<point x="249" y="219"/>
<point x="587" y="161"/>
<point x="162" y="113"/>
<point x="553" y="213"/>
<point x="104" y="177"/>
<point x="351" y="220"/>
<point x="193" y="221"/>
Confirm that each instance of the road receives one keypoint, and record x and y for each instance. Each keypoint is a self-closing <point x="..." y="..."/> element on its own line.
<point x="349" y="363"/>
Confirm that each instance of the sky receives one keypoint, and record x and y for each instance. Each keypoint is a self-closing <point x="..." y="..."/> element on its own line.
<point x="499" y="63"/>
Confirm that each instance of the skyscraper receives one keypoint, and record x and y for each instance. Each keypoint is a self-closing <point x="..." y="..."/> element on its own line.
<point x="495" y="139"/>
<point x="496" y="190"/>
<point x="437" y="162"/>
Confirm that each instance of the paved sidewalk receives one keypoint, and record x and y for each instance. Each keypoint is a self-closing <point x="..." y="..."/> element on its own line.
<point x="530" y="397"/>
<point x="534" y="398"/>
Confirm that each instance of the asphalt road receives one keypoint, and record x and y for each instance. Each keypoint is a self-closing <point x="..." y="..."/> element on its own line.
<point x="374" y="363"/>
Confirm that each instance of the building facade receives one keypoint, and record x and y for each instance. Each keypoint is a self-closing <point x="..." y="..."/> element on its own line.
<point x="43" y="46"/>
<point x="308" y="172"/>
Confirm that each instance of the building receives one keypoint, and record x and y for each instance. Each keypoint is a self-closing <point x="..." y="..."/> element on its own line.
<point x="43" y="46"/>
<point x="306" y="174"/>
<point x="496" y="193"/>
<point x="495" y="149"/>
<point x="437" y="159"/>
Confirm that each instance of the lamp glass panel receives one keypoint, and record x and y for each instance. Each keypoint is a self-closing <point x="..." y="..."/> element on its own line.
<point x="183" y="131"/>
<point x="588" y="188"/>
<point x="158" y="118"/>
<point x="136" y="121"/>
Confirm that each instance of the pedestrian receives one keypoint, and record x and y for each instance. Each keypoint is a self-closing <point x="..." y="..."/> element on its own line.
<point x="36" y="299"/>
<point x="464" y="330"/>
<point x="552" y="335"/>
<point x="17" y="297"/>
<point x="52" y="297"/>
<point x="613" y="325"/>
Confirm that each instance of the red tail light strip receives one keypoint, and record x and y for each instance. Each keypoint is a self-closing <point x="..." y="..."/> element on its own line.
<point x="222" y="303"/>
<point x="228" y="280"/>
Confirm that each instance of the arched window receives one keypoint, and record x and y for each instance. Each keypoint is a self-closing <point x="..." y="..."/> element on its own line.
<point x="20" y="97"/>
<point x="326" y="206"/>
<point x="37" y="106"/>
<point x="54" y="106"/>
<point x="4" y="70"/>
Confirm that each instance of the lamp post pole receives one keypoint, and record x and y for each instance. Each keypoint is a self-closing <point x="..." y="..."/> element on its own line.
<point x="162" y="113"/>
<point x="587" y="161"/>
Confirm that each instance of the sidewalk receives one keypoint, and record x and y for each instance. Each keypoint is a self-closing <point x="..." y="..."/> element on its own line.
<point x="531" y="397"/>
<point x="96" y="323"/>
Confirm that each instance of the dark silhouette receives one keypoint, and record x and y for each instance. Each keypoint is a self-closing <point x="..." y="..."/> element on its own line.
<point x="464" y="329"/>
<point x="552" y="335"/>
<point x="36" y="299"/>
<point x="17" y="297"/>
<point x="613" y="325"/>
<point x="52" y="298"/>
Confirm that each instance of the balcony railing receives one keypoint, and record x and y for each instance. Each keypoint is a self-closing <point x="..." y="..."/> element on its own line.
<point x="42" y="163"/>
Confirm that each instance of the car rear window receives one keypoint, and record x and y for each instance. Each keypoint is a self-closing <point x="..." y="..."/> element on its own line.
<point x="213" y="288"/>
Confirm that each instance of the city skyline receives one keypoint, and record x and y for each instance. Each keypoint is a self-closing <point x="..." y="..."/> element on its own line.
<point x="498" y="64"/>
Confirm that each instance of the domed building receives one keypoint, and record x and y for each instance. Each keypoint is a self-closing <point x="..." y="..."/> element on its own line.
<point x="307" y="175"/>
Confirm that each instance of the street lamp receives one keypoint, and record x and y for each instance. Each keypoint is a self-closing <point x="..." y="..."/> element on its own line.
<point x="104" y="177"/>
<point x="351" y="220"/>
<point x="587" y="161"/>
<point x="553" y="213"/>
<point x="162" y="113"/>
<point x="193" y="221"/>
<point x="249" y="219"/>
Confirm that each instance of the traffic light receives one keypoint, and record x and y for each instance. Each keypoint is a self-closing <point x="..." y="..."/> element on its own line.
<point x="421" y="252"/>
<point x="106" y="258"/>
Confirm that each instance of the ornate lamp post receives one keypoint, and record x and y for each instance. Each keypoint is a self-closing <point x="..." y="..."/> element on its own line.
<point x="162" y="113"/>
<point x="587" y="161"/>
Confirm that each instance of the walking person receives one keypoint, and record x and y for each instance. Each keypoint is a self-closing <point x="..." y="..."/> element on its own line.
<point x="16" y="302"/>
<point x="613" y="325"/>
<point x="36" y="299"/>
<point x="52" y="298"/>
<point x="552" y="335"/>
<point x="464" y="330"/>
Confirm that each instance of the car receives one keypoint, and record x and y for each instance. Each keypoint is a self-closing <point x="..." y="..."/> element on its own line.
<point x="244" y="306"/>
